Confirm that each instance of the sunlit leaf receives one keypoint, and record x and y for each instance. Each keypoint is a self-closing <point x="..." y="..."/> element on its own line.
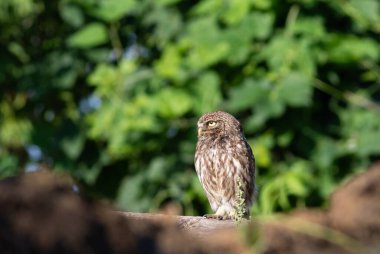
<point x="207" y="7"/>
<point x="173" y="102"/>
<point x="170" y="63"/>
<point x="91" y="35"/>
<point x="15" y="132"/>
<point x="261" y="147"/>
<point x="112" y="10"/>
<point x="236" y="10"/>
<point x="261" y="4"/>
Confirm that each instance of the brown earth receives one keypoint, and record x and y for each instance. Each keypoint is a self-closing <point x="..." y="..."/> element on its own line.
<point x="39" y="213"/>
<point x="350" y="225"/>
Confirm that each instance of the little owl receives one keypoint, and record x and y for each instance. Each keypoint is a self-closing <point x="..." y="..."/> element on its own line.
<point x="225" y="165"/>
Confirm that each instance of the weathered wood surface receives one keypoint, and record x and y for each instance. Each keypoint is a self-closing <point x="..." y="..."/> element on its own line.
<point x="197" y="225"/>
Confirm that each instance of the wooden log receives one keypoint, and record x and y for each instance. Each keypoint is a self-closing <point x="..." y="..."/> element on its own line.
<point x="196" y="225"/>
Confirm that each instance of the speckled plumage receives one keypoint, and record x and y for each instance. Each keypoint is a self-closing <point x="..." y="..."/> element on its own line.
<point x="223" y="157"/>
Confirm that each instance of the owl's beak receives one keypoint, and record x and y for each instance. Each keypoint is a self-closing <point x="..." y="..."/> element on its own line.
<point x="199" y="131"/>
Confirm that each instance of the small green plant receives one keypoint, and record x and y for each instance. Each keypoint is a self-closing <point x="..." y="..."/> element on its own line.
<point x="240" y="204"/>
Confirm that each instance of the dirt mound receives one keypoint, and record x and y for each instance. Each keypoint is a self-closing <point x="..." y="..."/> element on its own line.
<point x="355" y="207"/>
<point x="40" y="213"/>
<point x="351" y="225"/>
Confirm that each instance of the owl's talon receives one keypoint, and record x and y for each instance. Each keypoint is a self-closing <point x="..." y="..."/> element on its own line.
<point x="208" y="216"/>
<point x="215" y="217"/>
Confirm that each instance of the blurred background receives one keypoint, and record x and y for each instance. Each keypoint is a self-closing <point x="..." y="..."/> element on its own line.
<point x="109" y="91"/>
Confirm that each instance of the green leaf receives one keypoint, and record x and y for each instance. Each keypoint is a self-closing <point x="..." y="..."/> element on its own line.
<point x="270" y="108"/>
<point x="129" y="193"/>
<point x="164" y="29"/>
<point x="295" y="185"/>
<point x="294" y="89"/>
<point x="261" y="4"/>
<point x="73" y="146"/>
<point x="208" y="95"/>
<point x="15" y="132"/>
<point x="88" y="174"/>
<point x="325" y="152"/>
<point x="256" y="25"/>
<point x="112" y="10"/>
<point x="19" y="52"/>
<point x="368" y="143"/>
<point x="360" y="130"/>
<point x="365" y="13"/>
<point x="261" y="147"/>
<point x="269" y="197"/>
<point x="312" y="27"/>
<point x="250" y="93"/>
<point x="72" y="15"/>
<point x="236" y="10"/>
<point x="207" y="7"/>
<point x="350" y="49"/>
<point x="172" y="103"/>
<point x="17" y="10"/>
<point x="284" y="54"/>
<point x="156" y="169"/>
<point x="104" y="77"/>
<point x="284" y="139"/>
<point x="91" y="35"/>
<point x="9" y="164"/>
<point x="205" y="43"/>
<point x="166" y="2"/>
<point x="369" y="8"/>
<point x="169" y="65"/>
<point x="261" y="24"/>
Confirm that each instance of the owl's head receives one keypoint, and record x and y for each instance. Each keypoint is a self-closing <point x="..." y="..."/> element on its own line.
<point x="218" y="124"/>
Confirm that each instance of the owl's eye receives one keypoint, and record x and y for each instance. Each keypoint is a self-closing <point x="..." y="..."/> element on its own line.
<point x="211" y="124"/>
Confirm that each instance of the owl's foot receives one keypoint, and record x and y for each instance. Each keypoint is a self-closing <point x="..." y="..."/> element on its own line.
<point x="217" y="217"/>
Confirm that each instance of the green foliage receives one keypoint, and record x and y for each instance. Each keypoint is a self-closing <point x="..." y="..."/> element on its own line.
<point x="110" y="92"/>
<point x="289" y="181"/>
